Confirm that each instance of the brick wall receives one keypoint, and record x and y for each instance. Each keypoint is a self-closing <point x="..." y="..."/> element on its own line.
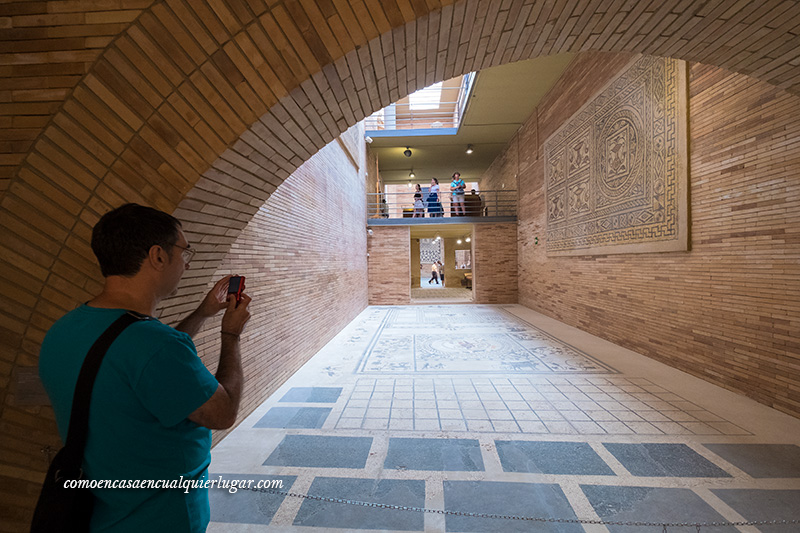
<point x="389" y="260"/>
<point x="304" y="257"/>
<point x="727" y="310"/>
<point x="147" y="48"/>
<point x="208" y="106"/>
<point x="494" y="263"/>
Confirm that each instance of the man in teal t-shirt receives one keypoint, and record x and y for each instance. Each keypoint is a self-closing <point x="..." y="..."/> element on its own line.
<point x="457" y="187"/>
<point x="154" y="402"/>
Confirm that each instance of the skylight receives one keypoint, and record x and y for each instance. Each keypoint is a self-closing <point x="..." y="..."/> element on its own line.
<point x="427" y="98"/>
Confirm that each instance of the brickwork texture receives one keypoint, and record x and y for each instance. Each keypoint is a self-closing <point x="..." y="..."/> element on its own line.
<point x="389" y="260"/>
<point x="726" y="311"/>
<point x="494" y="263"/>
<point x="303" y="258"/>
<point x="205" y="107"/>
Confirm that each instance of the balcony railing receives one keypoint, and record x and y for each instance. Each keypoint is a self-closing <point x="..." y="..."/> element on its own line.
<point x="394" y="206"/>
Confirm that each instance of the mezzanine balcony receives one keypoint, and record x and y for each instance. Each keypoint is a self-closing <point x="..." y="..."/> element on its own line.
<point x="398" y="209"/>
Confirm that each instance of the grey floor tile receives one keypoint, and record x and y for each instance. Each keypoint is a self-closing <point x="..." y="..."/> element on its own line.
<point x="294" y="417"/>
<point x="761" y="460"/>
<point x="246" y="506"/>
<point x="765" y="505"/>
<point x="426" y="424"/>
<point x="519" y="499"/>
<point x="648" y="504"/>
<point x="506" y="426"/>
<point x="315" y="394"/>
<point x="538" y="457"/>
<point x="663" y="460"/>
<point x="434" y="454"/>
<point x="557" y="427"/>
<point x="406" y="493"/>
<point x="531" y="426"/>
<point x="322" y="452"/>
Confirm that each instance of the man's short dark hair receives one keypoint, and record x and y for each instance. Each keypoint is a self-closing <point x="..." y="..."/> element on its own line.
<point x="122" y="238"/>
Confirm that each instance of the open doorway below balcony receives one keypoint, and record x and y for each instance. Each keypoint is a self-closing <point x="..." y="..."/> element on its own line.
<point x="441" y="269"/>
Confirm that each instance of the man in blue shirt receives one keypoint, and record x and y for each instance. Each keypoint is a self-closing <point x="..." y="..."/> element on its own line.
<point x="154" y="402"/>
<point x="457" y="187"/>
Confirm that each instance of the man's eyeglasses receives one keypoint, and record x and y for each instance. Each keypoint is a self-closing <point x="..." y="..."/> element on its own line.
<point x="186" y="252"/>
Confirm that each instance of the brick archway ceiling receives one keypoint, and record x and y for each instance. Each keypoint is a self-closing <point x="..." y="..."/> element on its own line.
<point x="204" y="107"/>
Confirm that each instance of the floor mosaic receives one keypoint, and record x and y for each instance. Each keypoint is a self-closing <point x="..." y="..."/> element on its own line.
<point x="499" y="410"/>
<point x="481" y="341"/>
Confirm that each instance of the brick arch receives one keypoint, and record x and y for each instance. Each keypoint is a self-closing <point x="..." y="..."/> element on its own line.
<point x="204" y="109"/>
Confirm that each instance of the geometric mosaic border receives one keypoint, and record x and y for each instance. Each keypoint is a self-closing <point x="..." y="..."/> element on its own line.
<point x="616" y="172"/>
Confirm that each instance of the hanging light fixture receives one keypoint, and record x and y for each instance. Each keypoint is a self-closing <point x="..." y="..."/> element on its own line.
<point x="469" y="149"/>
<point x="458" y="241"/>
<point x="411" y="174"/>
<point x="407" y="152"/>
<point x="468" y="239"/>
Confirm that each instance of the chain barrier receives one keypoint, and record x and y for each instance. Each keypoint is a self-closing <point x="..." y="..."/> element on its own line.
<point x="663" y="525"/>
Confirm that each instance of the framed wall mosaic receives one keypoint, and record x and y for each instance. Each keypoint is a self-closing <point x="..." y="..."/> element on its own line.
<point x="616" y="172"/>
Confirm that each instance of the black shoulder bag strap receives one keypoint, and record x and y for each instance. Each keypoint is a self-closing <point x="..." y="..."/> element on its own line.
<point x="69" y="509"/>
<point x="79" y="416"/>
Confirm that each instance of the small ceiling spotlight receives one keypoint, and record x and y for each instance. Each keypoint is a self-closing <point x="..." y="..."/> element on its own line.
<point x="407" y="153"/>
<point x="469" y="149"/>
<point x="411" y="174"/>
<point x="468" y="239"/>
<point x="458" y="241"/>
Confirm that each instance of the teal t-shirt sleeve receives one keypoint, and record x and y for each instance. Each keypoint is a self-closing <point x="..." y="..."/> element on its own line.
<point x="175" y="382"/>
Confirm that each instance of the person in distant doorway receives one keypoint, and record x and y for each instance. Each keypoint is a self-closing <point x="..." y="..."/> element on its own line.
<point x="457" y="187"/>
<point x="419" y="206"/>
<point x="440" y="268"/>
<point x="434" y="274"/>
<point x="434" y="205"/>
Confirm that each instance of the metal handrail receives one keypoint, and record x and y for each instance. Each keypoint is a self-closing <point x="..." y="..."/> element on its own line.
<point x="490" y="203"/>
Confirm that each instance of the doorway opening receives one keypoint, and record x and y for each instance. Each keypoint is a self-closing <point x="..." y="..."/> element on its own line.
<point x="441" y="268"/>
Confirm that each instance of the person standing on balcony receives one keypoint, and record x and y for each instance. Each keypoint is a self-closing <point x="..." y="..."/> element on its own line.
<point x="434" y="205"/>
<point x="457" y="187"/>
<point x="419" y="207"/>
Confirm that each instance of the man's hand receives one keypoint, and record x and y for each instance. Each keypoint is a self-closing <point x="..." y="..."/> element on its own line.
<point x="212" y="304"/>
<point x="236" y="315"/>
<point x="215" y="300"/>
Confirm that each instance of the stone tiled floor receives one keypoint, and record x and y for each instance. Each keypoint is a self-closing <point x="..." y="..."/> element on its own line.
<point x="438" y="292"/>
<point x="500" y="410"/>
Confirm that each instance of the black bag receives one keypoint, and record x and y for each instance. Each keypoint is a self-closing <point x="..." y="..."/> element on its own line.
<point x="70" y="509"/>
